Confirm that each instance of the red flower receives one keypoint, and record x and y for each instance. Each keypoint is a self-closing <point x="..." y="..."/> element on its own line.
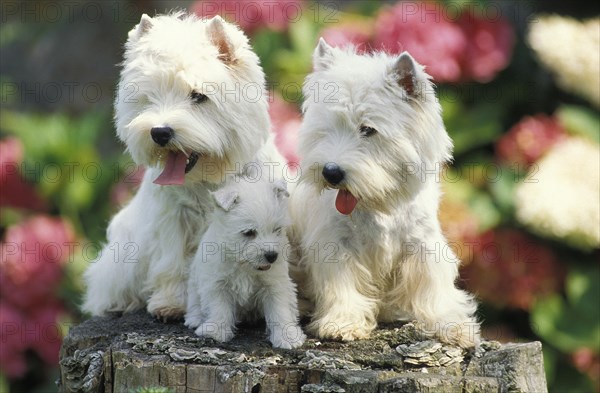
<point x="489" y="48"/>
<point x="511" y="269"/>
<point x="33" y="253"/>
<point x="470" y="48"/>
<point x="252" y="15"/>
<point x="286" y="120"/>
<point x="42" y="333"/>
<point x="426" y="33"/>
<point x="587" y="362"/>
<point x="529" y="139"/>
<point x="14" y="191"/>
<point x="12" y="357"/>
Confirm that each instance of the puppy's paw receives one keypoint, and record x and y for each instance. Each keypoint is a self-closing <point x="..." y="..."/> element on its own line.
<point x="165" y="309"/>
<point x="344" y="330"/>
<point x="192" y="321"/>
<point x="218" y="331"/>
<point x="287" y="338"/>
<point x="167" y="313"/>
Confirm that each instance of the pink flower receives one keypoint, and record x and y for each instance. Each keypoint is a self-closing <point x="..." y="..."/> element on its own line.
<point x="33" y="253"/>
<point x="41" y="332"/>
<point x="512" y="269"/>
<point x="489" y="46"/>
<point x="346" y="35"/>
<point x="14" y="191"/>
<point x="529" y="139"/>
<point x="252" y="15"/>
<point x="469" y="48"/>
<point x="12" y="348"/>
<point x="426" y="33"/>
<point x="286" y="120"/>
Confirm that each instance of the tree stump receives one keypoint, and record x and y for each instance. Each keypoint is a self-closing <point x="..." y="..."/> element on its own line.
<point x="125" y="353"/>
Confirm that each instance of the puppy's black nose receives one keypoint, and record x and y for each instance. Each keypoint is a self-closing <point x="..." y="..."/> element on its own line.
<point x="271" y="256"/>
<point x="333" y="173"/>
<point x="161" y="135"/>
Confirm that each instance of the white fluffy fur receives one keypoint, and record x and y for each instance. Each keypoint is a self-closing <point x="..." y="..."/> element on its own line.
<point x="152" y="239"/>
<point x="388" y="260"/>
<point x="226" y="283"/>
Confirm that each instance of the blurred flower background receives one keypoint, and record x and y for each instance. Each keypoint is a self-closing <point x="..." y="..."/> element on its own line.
<point x="520" y="89"/>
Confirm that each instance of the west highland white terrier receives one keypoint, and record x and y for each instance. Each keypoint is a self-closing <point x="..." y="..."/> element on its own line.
<point x="240" y="271"/>
<point x="191" y="108"/>
<point x="364" y="213"/>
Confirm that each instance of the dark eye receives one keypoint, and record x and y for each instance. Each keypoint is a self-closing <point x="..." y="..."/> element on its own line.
<point x="277" y="230"/>
<point x="249" y="233"/>
<point x="197" y="97"/>
<point x="367" y="131"/>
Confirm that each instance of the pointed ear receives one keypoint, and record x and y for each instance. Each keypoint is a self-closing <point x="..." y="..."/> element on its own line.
<point x="217" y="35"/>
<point x="280" y="189"/>
<point x="406" y="72"/>
<point x="143" y="27"/>
<point x="322" y="56"/>
<point x="225" y="199"/>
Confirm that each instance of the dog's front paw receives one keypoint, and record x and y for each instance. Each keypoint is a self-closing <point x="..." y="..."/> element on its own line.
<point x="287" y="338"/>
<point x="165" y="308"/>
<point x="218" y="331"/>
<point x="192" y="321"/>
<point x="167" y="313"/>
<point x="345" y="330"/>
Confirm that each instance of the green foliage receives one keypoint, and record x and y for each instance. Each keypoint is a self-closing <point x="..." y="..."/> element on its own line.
<point x="62" y="158"/>
<point x="472" y="127"/>
<point x="580" y="121"/>
<point x="561" y="375"/>
<point x="459" y="186"/>
<point x="573" y="322"/>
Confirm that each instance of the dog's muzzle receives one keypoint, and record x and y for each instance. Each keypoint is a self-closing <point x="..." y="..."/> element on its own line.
<point x="162" y="135"/>
<point x="333" y="173"/>
<point x="271" y="256"/>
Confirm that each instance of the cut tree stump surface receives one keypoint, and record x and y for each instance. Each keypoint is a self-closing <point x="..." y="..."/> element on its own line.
<point x="123" y="353"/>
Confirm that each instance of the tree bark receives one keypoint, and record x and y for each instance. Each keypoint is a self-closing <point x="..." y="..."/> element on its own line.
<point x="124" y="353"/>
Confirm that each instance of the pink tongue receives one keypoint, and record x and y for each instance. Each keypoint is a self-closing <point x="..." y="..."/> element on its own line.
<point x="345" y="202"/>
<point x="174" y="172"/>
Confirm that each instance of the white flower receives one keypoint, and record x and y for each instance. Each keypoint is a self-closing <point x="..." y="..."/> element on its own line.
<point x="569" y="48"/>
<point x="560" y="197"/>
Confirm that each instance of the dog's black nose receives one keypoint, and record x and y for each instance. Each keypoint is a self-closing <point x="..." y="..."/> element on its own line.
<point x="161" y="135"/>
<point x="333" y="173"/>
<point x="271" y="256"/>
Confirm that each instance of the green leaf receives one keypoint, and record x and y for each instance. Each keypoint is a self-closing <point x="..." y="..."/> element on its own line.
<point x="473" y="127"/>
<point x="461" y="189"/>
<point x="503" y="190"/>
<point x="550" y="362"/>
<point x="3" y="384"/>
<point x="303" y="36"/>
<point x="580" y="121"/>
<point x="575" y="322"/>
<point x="568" y="379"/>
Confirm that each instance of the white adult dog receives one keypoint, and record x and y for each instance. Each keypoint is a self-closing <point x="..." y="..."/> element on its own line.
<point x="191" y="108"/>
<point x="240" y="271"/>
<point x="365" y="210"/>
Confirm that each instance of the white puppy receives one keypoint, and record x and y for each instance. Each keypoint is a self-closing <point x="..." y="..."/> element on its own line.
<point x="191" y="107"/>
<point x="365" y="211"/>
<point x="240" y="271"/>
